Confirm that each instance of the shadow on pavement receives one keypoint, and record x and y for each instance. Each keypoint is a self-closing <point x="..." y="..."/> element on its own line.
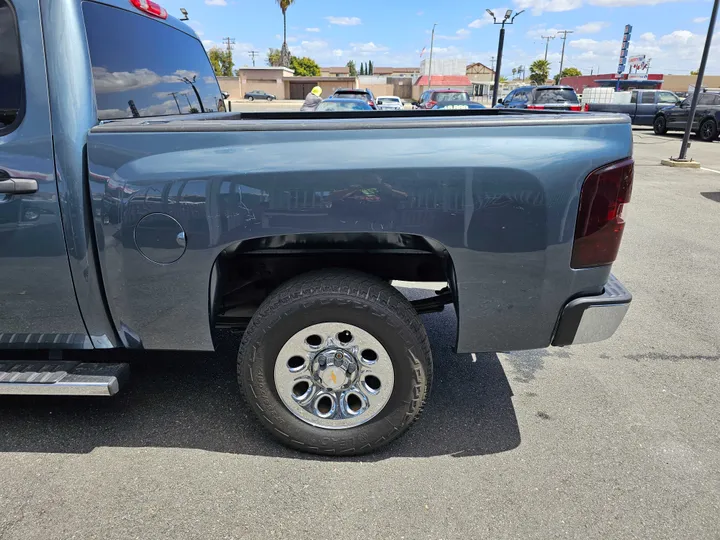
<point x="191" y="400"/>
<point x="711" y="195"/>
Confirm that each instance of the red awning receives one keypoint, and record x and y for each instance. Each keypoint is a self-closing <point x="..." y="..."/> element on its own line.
<point x="444" y="80"/>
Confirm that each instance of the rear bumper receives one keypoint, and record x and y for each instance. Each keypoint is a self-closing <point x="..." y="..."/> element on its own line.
<point x="593" y="318"/>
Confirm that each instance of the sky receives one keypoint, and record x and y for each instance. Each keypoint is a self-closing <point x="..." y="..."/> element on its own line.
<point x="394" y="32"/>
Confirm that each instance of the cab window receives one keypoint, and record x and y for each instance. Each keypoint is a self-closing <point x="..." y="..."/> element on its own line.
<point x="11" y="80"/>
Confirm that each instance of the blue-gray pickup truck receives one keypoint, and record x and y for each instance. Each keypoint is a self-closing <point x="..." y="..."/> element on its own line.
<point x="135" y="213"/>
<point x="643" y="106"/>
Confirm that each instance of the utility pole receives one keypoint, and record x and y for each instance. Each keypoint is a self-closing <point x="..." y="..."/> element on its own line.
<point x="562" y="55"/>
<point x="547" y="42"/>
<point x="253" y="54"/>
<point x="492" y="60"/>
<point x="506" y="20"/>
<point x="432" y="45"/>
<point x="698" y="84"/>
<point x="229" y="42"/>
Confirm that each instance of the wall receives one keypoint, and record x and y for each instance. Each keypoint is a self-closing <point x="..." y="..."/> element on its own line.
<point x="380" y="89"/>
<point x="271" y="80"/>
<point x="680" y="83"/>
<point x="444" y="66"/>
<point x="230" y="85"/>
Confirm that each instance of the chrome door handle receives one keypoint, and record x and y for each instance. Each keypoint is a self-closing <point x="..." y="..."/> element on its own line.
<point x="18" y="186"/>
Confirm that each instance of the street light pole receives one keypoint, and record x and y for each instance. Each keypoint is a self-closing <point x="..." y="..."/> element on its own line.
<point x="698" y="84"/>
<point x="547" y="43"/>
<point x="501" y="42"/>
<point x="562" y="54"/>
<point x="432" y="45"/>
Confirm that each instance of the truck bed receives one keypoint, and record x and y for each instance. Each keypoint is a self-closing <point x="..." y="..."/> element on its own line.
<point x="496" y="190"/>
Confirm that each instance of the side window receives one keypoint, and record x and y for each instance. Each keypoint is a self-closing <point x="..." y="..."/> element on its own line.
<point x="633" y="97"/>
<point x="11" y="81"/>
<point x="648" y="97"/>
<point x="706" y="99"/>
<point x="667" y="97"/>
<point x="509" y="97"/>
<point x="521" y="96"/>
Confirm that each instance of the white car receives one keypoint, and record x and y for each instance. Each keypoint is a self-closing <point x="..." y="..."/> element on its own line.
<point x="389" y="103"/>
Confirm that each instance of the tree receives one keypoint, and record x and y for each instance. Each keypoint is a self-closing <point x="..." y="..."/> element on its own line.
<point x="362" y="68"/>
<point x="503" y="80"/>
<point x="274" y="57"/>
<point x="539" y="71"/>
<point x="693" y="73"/>
<point x="371" y="68"/>
<point x="285" y="51"/>
<point x="221" y="61"/>
<point x="570" y="72"/>
<point x="514" y="71"/>
<point x="351" y="67"/>
<point x="305" y="67"/>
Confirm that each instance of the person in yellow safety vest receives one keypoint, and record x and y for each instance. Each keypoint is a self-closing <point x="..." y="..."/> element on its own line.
<point x="312" y="100"/>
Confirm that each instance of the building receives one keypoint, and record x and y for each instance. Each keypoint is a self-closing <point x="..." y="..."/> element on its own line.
<point x="481" y="77"/>
<point x="654" y="81"/>
<point x="281" y="82"/>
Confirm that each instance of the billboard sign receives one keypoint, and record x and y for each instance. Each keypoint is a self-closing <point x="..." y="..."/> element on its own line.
<point x="624" y="49"/>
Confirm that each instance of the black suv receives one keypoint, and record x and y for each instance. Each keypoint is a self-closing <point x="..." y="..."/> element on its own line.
<point x="705" y="122"/>
<point x="356" y="93"/>
<point x="554" y="98"/>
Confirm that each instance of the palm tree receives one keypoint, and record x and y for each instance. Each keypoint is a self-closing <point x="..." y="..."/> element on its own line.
<point x="285" y="52"/>
<point x="514" y="71"/>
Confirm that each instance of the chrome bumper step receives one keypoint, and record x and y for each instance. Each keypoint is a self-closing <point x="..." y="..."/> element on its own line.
<point x="48" y="378"/>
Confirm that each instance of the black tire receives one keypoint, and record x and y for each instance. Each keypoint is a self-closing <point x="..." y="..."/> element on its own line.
<point x="250" y="98"/>
<point x="660" y="125"/>
<point x="708" y="130"/>
<point x="269" y="98"/>
<point x="352" y="298"/>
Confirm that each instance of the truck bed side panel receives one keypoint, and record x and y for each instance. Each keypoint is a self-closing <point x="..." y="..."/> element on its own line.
<point x="501" y="198"/>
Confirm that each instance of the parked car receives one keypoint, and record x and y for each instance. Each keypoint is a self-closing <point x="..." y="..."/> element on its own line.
<point x="156" y="229"/>
<point x="341" y="104"/>
<point x="430" y="98"/>
<point x="259" y="94"/>
<point x="643" y="106"/>
<point x="555" y="98"/>
<point x="356" y="93"/>
<point x="389" y="103"/>
<point x="705" y="122"/>
<point x="458" y="105"/>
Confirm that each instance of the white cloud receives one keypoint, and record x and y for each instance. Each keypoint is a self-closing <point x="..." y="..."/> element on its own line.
<point x="337" y="52"/>
<point x="486" y="18"/>
<point x="554" y="6"/>
<point x="208" y="44"/>
<point x="344" y="21"/>
<point x="460" y="34"/>
<point x="538" y="32"/>
<point x="591" y="27"/>
<point x="627" y="3"/>
<point x="216" y="2"/>
<point x="647" y="36"/>
<point x="369" y="48"/>
<point x="290" y="39"/>
<point x="197" y="27"/>
<point x="700" y="20"/>
<point x="312" y="29"/>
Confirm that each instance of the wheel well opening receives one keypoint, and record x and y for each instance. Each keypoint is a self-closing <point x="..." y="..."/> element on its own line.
<point x="246" y="273"/>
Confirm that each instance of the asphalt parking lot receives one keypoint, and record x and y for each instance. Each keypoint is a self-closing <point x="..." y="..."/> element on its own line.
<point x="619" y="439"/>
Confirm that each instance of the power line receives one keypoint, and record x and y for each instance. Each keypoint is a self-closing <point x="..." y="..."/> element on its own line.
<point x="229" y="42"/>
<point x="547" y="42"/>
<point x="253" y="54"/>
<point x="562" y="55"/>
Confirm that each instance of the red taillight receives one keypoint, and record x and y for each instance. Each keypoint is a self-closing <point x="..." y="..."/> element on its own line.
<point x="371" y="103"/>
<point x="600" y="221"/>
<point x="536" y="106"/>
<point x="587" y="107"/>
<point x="151" y="8"/>
<point x="575" y="108"/>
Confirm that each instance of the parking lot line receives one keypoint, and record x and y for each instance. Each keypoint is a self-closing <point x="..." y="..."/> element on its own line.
<point x="711" y="170"/>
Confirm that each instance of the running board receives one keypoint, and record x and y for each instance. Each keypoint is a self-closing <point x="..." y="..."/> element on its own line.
<point x="61" y="378"/>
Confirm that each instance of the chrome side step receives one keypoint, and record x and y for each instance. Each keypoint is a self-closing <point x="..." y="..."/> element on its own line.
<point x="61" y="378"/>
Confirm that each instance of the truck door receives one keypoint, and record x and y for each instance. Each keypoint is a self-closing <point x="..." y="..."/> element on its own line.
<point x="38" y="308"/>
<point x="646" y="109"/>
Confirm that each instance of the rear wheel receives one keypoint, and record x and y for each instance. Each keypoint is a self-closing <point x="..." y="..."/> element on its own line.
<point x="708" y="131"/>
<point x="335" y="362"/>
<point x="269" y="98"/>
<point x="250" y="98"/>
<point x="660" y="125"/>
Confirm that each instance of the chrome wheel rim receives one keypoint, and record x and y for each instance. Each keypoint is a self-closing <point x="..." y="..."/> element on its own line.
<point x="707" y="130"/>
<point x="334" y="375"/>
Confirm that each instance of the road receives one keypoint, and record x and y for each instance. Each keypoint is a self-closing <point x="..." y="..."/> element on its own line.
<point x="619" y="439"/>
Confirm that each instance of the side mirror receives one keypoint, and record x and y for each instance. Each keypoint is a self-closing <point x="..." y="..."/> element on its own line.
<point x="500" y="101"/>
<point x="225" y="95"/>
<point x="380" y="102"/>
